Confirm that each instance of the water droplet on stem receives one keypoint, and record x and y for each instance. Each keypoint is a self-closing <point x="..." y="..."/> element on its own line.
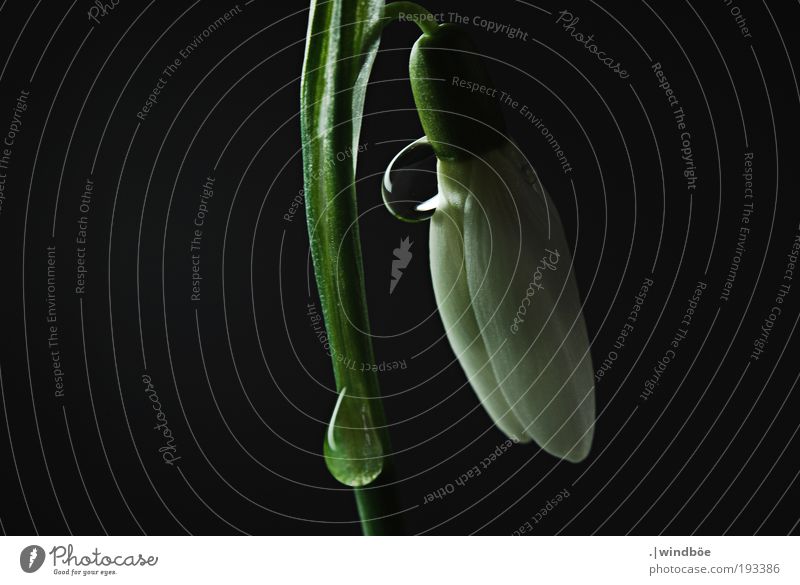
<point x="353" y="449"/>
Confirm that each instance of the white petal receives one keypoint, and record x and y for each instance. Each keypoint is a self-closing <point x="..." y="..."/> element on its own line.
<point x="452" y="297"/>
<point x="513" y="270"/>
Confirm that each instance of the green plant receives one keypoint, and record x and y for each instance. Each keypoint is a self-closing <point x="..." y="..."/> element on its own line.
<point x="527" y="358"/>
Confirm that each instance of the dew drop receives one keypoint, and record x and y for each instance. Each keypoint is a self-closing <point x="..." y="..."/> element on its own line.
<point x="409" y="183"/>
<point x="353" y="448"/>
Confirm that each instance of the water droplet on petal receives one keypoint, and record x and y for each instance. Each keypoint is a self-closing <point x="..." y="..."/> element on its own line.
<point x="409" y="183"/>
<point x="353" y="449"/>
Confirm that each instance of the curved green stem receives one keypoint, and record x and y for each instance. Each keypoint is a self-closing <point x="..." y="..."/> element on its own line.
<point x="422" y="17"/>
<point x="342" y="42"/>
<point x="340" y="49"/>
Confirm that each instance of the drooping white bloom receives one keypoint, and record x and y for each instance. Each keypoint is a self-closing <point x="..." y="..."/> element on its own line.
<point x="503" y="280"/>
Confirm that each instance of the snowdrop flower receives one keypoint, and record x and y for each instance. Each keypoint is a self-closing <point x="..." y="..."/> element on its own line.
<point x="505" y="289"/>
<point x="500" y="263"/>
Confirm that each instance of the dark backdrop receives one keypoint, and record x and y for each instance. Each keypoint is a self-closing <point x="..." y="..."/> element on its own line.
<point x="240" y="376"/>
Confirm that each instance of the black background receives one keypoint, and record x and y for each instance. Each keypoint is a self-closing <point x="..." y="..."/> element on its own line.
<point x="242" y="377"/>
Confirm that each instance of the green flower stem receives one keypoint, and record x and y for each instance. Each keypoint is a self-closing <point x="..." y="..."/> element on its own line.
<point x="342" y="42"/>
<point x="420" y="16"/>
<point x="378" y="506"/>
<point x="340" y="48"/>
